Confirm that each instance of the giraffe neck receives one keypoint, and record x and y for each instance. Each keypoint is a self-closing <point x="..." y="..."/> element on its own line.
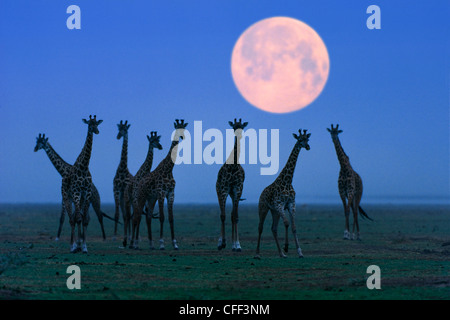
<point x="169" y="161"/>
<point x="342" y="157"/>
<point x="233" y="158"/>
<point x="287" y="174"/>
<point x="123" y="165"/>
<point x="147" y="165"/>
<point x="85" y="155"/>
<point x="60" y="165"/>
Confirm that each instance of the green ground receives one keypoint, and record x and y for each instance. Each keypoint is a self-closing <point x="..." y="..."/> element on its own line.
<point x="410" y="244"/>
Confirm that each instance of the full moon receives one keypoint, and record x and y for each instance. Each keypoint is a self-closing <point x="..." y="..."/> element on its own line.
<point x="280" y="65"/>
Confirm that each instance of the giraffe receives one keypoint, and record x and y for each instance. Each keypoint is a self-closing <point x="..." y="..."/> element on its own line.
<point x="350" y="186"/>
<point x="123" y="175"/>
<point x="64" y="169"/>
<point x="132" y="184"/>
<point x="156" y="186"/>
<point x="280" y="196"/>
<point x="77" y="186"/>
<point x="230" y="182"/>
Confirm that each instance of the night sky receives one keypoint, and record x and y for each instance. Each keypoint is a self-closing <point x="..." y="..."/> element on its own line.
<point x="151" y="62"/>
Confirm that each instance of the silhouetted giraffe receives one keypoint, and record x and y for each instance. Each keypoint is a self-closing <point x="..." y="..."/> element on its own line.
<point x="230" y="182"/>
<point x="157" y="186"/>
<point x="123" y="175"/>
<point x="77" y="188"/>
<point x="350" y="186"/>
<point x="64" y="170"/>
<point x="144" y="170"/>
<point x="280" y="196"/>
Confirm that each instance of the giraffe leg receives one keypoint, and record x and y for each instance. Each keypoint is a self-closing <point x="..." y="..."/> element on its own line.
<point x="129" y="217"/>
<point x="151" y="206"/>
<point x="127" y="221"/>
<point x="85" y="222"/>
<point x="84" y="245"/>
<point x="77" y="218"/>
<point x="133" y="228"/>
<point x="129" y="197"/>
<point x="358" y="196"/>
<point x="129" y="227"/>
<point x="234" y="224"/>
<point x="68" y="208"/>
<point x="291" y="209"/>
<point x="128" y="206"/>
<point x="133" y="223"/>
<point x="286" y="227"/>
<point x="136" y="225"/>
<point x="126" y="227"/>
<point x="72" y="236"/>
<point x="275" y="219"/>
<point x="262" y="210"/>
<point x="350" y="206"/>
<point x="138" y="229"/>
<point x="237" y="244"/>
<point x="123" y="207"/>
<point x="161" y="222"/>
<point x="116" y="208"/>
<point x="222" y="202"/>
<point x="347" y="213"/>
<point x="355" y="221"/>
<point x="61" y="221"/>
<point x="170" y="200"/>
<point x="77" y="244"/>
<point x="137" y="211"/>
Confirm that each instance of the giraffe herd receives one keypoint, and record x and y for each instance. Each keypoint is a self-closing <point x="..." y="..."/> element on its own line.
<point x="136" y="195"/>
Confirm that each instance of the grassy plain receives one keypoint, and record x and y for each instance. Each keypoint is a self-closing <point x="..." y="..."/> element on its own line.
<point x="410" y="244"/>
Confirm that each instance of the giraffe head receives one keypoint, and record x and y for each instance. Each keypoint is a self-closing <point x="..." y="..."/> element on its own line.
<point x="41" y="142"/>
<point x="238" y="127"/>
<point x="154" y="140"/>
<point x="302" y="139"/>
<point x="93" y="124"/>
<point x="334" y="131"/>
<point x="179" y="126"/>
<point x="123" y="129"/>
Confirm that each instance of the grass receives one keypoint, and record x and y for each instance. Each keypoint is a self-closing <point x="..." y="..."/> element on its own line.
<point x="410" y="244"/>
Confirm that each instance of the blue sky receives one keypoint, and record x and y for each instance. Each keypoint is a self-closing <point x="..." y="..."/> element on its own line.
<point x="150" y="62"/>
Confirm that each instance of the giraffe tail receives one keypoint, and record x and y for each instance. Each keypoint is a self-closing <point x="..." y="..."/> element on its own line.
<point x="363" y="214"/>
<point x="108" y="217"/>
